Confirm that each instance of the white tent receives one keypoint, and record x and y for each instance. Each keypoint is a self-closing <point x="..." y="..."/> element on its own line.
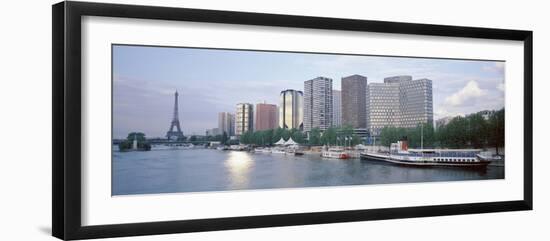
<point x="290" y="142"/>
<point x="280" y="142"/>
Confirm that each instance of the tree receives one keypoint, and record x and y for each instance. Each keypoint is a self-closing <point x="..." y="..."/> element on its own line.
<point x="268" y="137"/>
<point x="298" y="137"/>
<point x="285" y="134"/>
<point x="355" y="140"/>
<point x="247" y="137"/>
<point x="477" y="130"/>
<point x="193" y="138"/>
<point x="277" y="135"/>
<point x="456" y="133"/>
<point x="315" y="136"/>
<point x="225" y="138"/>
<point x="422" y="134"/>
<point x="142" y="143"/>
<point x="344" y="135"/>
<point x="495" y="130"/>
<point x="429" y="135"/>
<point x="388" y="135"/>
<point x="329" y="136"/>
<point x="138" y="135"/>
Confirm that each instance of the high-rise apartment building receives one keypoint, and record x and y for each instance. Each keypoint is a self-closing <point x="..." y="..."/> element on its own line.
<point x="226" y="123"/>
<point x="266" y="117"/>
<point x="399" y="102"/>
<point x="317" y="103"/>
<point x="244" y="118"/>
<point x="354" y="102"/>
<point x="336" y="108"/>
<point x="291" y="109"/>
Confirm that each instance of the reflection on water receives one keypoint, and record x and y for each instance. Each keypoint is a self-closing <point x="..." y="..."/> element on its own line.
<point x="196" y="170"/>
<point x="238" y="164"/>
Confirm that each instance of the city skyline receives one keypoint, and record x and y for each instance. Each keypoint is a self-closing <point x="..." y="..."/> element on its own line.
<point x="212" y="81"/>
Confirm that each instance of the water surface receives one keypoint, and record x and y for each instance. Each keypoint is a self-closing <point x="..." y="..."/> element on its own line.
<point x="198" y="170"/>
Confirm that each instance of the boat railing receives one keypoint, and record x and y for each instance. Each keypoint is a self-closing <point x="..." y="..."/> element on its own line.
<point x="439" y="154"/>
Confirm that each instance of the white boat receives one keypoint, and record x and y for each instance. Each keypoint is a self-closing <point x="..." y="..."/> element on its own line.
<point x="277" y="151"/>
<point x="222" y="148"/>
<point x="187" y="147"/>
<point x="400" y="154"/>
<point x="337" y="153"/>
<point x="237" y="147"/>
<point x="262" y="150"/>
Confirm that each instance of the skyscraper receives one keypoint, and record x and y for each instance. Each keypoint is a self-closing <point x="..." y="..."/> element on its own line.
<point x="318" y="103"/>
<point x="416" y="101"/>
<point x="399" y="102"/>
<point x="354" y="89"/>
<point x="291" y="112"/>
<point x="266" y="117"/>
<point x="226" y="123"/>
<point x="244" y="120"/>
<point x="336" y="108"/>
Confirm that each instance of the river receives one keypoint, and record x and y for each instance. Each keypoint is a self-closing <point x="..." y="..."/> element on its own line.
<point x="199" y="170"/>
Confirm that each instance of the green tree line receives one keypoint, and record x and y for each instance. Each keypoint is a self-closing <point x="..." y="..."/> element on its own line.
<point x="269" y="137"/>
<point x="331" y="136"/>
<point x="142" y="143"/>
<point x="471" y="131"/>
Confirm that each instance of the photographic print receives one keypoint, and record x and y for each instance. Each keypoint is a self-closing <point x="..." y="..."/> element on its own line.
<point x="202" y="119"/>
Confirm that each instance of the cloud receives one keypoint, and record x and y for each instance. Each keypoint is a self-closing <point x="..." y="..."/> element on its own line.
<point x="442" y="112"/>
<point x="496" y="67"/>
<point x="469" y="92"/>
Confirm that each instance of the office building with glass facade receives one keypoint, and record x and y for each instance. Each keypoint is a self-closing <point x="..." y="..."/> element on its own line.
<point x="291" y="109"/>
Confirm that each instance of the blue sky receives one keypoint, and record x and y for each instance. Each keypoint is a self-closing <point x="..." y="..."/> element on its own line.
<point x="211" y="81"/>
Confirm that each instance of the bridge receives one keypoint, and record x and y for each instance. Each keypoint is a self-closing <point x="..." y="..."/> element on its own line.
<point x="165" y="141"/>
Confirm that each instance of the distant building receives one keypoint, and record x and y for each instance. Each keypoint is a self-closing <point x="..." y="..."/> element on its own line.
<point x="266" y="117"/>
<point x="354" y="89"/>
<point x="399" y="102"/>
<point x="226" y="123"/>
<point x="318" y="103"/>
<point x="291" y="109"/>
<point x="397" y="79"/>
<point x="336" y="108"/>
<point x="382" y="106"/>
<point x="486" y="114"/>
<point x="213" y="132"/>
<point x="244" y="119"/>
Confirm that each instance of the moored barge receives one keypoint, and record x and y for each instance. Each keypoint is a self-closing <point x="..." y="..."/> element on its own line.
<point x="400" y="154"/>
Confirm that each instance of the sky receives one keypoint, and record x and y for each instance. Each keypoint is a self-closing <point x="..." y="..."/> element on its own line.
<point x="213" y="80"/>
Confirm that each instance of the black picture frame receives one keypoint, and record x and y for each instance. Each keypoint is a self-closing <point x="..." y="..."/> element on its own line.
<point x="66" y="159"/>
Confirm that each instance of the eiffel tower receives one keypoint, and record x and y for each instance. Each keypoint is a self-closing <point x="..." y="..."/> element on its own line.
<point x="171" y="134"/>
